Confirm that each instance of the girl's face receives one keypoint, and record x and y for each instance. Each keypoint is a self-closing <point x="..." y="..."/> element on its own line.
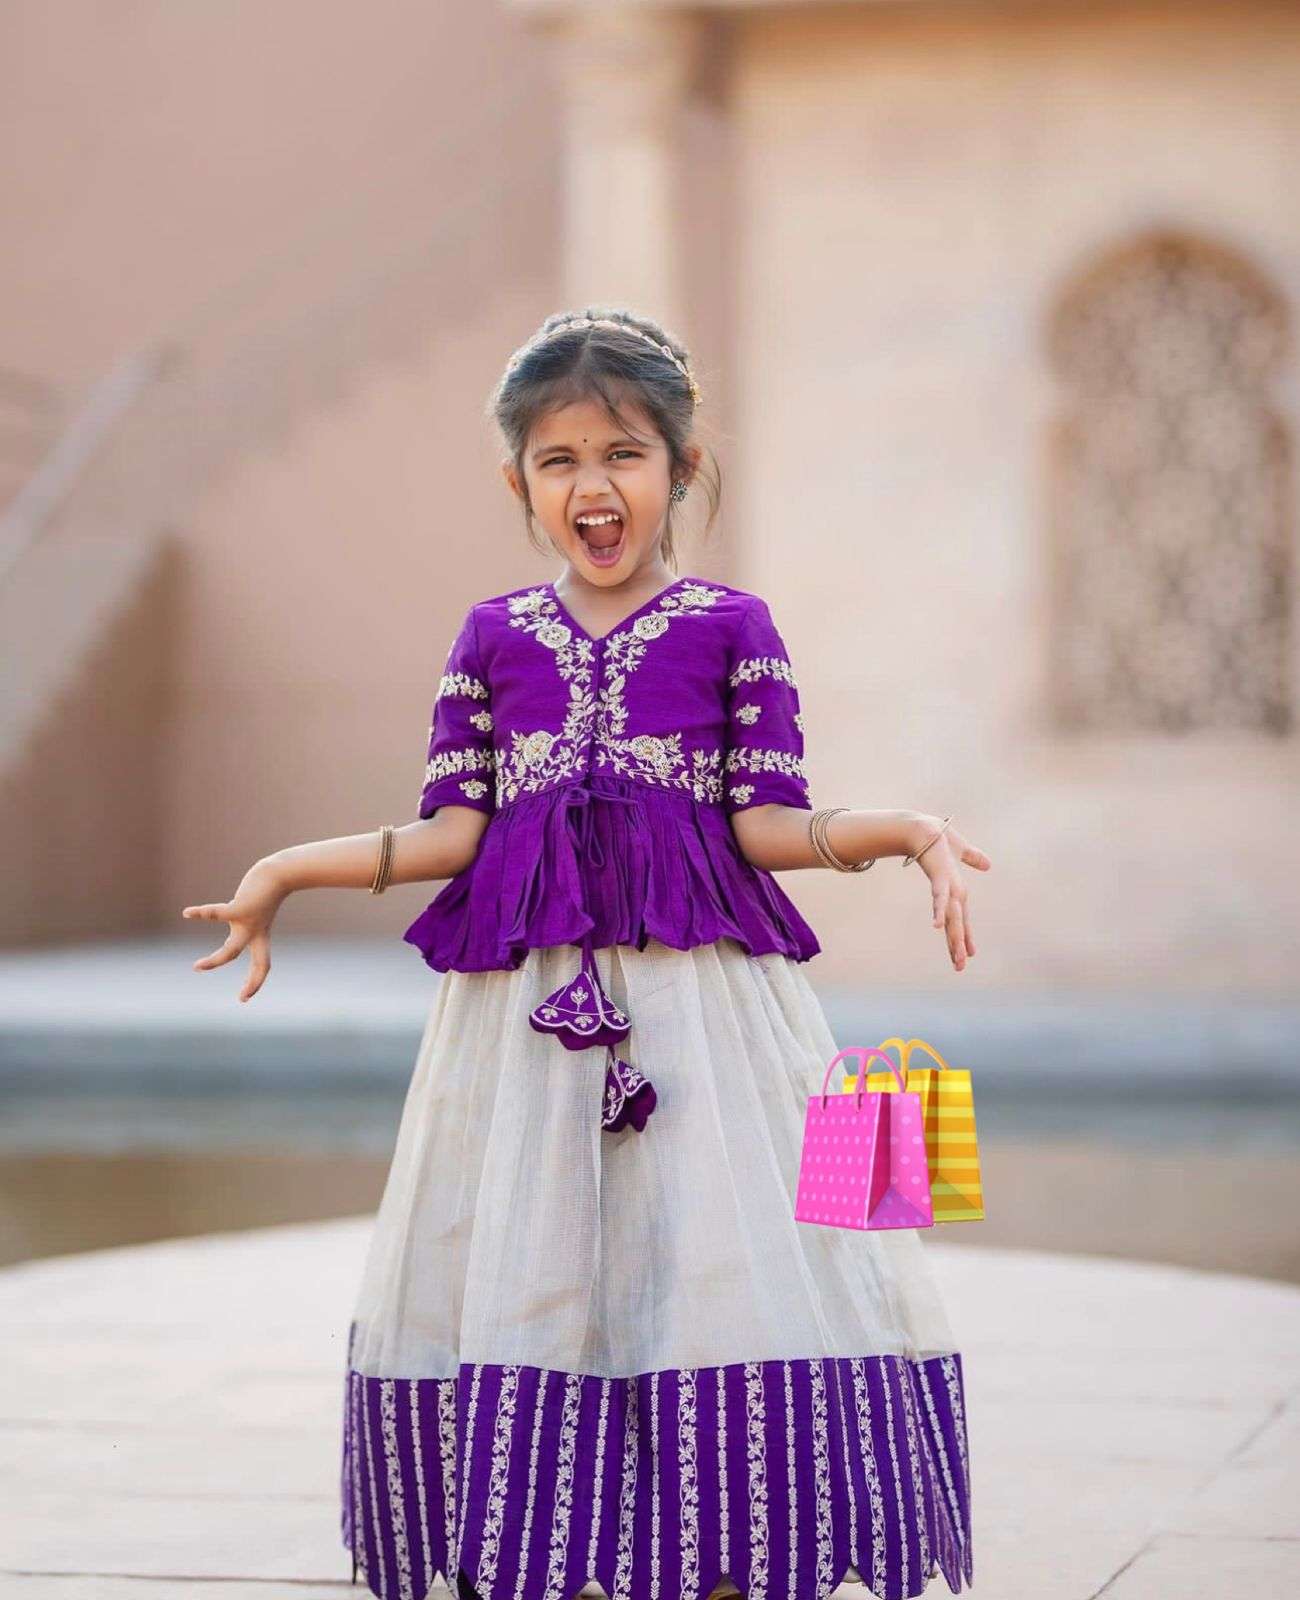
<point x="579" y="466"/>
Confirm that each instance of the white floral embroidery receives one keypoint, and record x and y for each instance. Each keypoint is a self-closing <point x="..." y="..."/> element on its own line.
<point x="474" y="788"/>
<point x="822" y="1478"/>
<point x="748" y="713"/>
<point x="460" y="685"/>
<point x="742" y="793"/>
<point x="554" y="635"/>
<point x="539" y="760"/>
<point x="482" y="720"/>
<point x="688" y="1490"/>
<point x="651" y="625"/>
<point x="866" y="1443"/>
<point x="396" y="1493"/>
<point x="798" y="720"/>
<point x="752" y="668"/>
<point x="565" y="1466"/>
<point x="654" y="758"/>
<point x="447" y="762"/>
<point x="534" y="1452"/>
<point x="753" y="758"/>
<point x="524" y="605"/>
<point x="627" y="1486"/>
<point x="756" y="1460"/>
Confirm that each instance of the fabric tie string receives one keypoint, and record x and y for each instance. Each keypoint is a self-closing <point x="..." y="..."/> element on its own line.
<point x="579" y="1013"/>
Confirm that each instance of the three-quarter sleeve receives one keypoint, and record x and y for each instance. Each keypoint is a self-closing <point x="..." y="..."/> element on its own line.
<point x="764" y="759"/>
<point x="460" y="770"/>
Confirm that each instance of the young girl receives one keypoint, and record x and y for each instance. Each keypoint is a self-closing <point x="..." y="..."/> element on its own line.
<point x="591" y="1344"/>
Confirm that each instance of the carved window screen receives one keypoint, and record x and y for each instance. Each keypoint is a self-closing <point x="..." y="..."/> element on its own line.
<point x="1171" y="568"/>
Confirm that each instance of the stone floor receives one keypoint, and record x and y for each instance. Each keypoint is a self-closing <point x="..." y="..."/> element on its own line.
<point x="169" y="1423"/>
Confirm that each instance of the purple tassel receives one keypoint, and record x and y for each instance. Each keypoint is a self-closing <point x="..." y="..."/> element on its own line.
<point x="580" y="1013"/>
<point x="629" y="1096"/>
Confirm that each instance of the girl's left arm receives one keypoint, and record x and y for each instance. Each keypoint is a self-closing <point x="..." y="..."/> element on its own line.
<point x="766" y="789"/>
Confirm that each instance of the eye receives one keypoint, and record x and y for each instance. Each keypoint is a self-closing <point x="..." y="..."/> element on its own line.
<point x="551" y="460"/>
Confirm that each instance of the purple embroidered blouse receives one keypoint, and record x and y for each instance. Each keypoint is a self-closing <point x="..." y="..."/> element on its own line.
<point x="610" y="767"/>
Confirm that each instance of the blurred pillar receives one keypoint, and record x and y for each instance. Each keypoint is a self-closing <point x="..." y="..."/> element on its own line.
<point x="625" y="76"/>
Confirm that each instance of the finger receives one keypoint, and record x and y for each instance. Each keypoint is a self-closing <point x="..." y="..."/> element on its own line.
<point x="259" y="966"/>
<point x="216" y="912"/>
<point x="956" y="934"/>
<point x="940" y="903"/>
<point x="226" y="952"/>
<point x="970" y="937"/>
<point x="973" y="857"/>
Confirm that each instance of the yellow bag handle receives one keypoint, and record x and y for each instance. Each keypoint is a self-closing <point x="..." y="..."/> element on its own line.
<point x="905" y="1051"/>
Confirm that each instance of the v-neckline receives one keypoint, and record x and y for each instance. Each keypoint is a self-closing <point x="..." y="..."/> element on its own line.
<point x="599" y="638"/>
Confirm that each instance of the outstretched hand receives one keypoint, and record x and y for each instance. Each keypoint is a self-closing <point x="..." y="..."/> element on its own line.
<point x="948" y="891"/>
<point x="250" y="915"/>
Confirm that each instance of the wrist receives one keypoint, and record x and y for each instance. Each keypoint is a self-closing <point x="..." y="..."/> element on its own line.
<point x="277" y="868"/>
<point x="918" y="830"/>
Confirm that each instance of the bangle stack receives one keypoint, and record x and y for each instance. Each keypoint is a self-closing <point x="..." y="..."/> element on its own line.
<point x="828" y="858"/>
<point x="822" y="849"/>
<point x="384" y="866"/>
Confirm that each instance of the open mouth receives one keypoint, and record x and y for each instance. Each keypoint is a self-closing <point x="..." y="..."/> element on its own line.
<point x="603" y="541"/>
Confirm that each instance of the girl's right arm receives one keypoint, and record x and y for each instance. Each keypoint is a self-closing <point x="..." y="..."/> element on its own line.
<point x="439" y="846"/>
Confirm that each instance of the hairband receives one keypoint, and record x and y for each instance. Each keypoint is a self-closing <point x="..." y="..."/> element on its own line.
<point x="608" y="322"/>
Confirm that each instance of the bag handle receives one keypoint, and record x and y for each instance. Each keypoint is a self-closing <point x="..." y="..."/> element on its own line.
<point x="863" y="1053"/>
<point x="905" y="1051"/>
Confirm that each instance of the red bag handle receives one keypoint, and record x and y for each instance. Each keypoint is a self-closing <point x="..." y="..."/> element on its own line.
<point x="864" y="1054"/>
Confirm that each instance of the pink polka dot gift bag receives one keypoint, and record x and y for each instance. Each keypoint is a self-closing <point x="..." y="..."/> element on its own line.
<point x="864" y="1161"/>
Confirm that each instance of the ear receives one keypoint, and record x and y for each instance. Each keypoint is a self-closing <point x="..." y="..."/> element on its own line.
<point x="512" y="479"/>
<point x="694" y="454"/>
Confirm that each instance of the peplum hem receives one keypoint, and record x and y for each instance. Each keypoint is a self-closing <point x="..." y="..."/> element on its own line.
<point x="604" y="862"/>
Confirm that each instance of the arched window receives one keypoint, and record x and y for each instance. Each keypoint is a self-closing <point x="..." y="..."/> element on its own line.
<point x="1171" y="567"/>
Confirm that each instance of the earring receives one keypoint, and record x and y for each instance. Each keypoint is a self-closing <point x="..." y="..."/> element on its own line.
<point x="678" y="490"/>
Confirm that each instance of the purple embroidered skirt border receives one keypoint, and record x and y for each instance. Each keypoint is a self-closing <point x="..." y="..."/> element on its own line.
<point x="778" y="1474"/>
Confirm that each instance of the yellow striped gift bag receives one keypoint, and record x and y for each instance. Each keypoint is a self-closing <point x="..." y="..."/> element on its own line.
<point x="948" y="1108"/>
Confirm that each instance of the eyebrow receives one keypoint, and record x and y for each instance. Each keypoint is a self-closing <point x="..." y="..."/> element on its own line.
<point x="546" y="449"/>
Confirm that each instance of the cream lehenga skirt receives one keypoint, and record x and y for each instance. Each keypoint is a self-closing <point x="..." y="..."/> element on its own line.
<point x="580" y="1357"/>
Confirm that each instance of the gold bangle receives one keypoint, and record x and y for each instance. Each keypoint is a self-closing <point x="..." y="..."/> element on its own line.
<point x="929" y="842"/>
<point x="384" y="865"/>
<point x="821" y="844"/>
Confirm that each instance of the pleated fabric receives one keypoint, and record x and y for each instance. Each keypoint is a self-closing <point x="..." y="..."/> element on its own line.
<point x="579" y="1356"/>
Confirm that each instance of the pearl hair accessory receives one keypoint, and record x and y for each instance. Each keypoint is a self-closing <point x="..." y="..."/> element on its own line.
<point x="607" y="322"/>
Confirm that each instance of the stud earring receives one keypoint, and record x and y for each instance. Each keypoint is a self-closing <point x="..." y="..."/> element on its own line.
<point x="678" y="491"/>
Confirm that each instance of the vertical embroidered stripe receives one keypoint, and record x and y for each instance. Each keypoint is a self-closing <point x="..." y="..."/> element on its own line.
<point x="472" y="1413"/>
<point x="945" y="1466"/>
<point x="599" y="1477"/>
<point x="914" y="1463"/>
<point x="724" y="1515"/>
<point x="755" y="1451"/>
<point x="396" y="1490"/>
<point x="654" y="1486"/>
<point x="498" y="1477"/>
<point x="358" y="1444"/>
<point x="949" y="1367"/>
<point x="866" y="1445"/>
<point x="895" y="1468"/>
<point x="417" y="1457"/>
<point x="534" y="1447"/>
<point x="822" y="1476"/>
<point x="380" y="1563"/>
<point x="627" y="1494"/>
<point x="688" y="1478"/>
<point x="447" y="1464"/>
<point x="792" y="1479"/>
<point x="850" y="1489"/>
<point x="562" y="1515"/>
